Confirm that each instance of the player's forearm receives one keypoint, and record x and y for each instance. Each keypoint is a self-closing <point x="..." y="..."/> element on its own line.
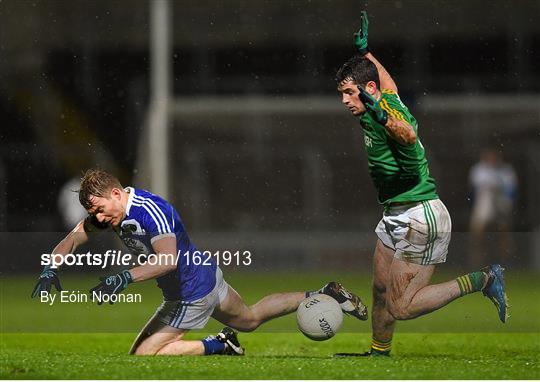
<point x="69" y="244"/>
<point x="384" y="77"/>
<point x="400" y="131"/>
<point x="167" y="258"/>
<point x="147" y="271"/>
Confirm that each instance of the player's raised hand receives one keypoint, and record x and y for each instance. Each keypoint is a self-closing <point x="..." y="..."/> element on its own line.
<point x="47" y="278"/>
<point x="372" y="106"/>
<point x="361" y="37"/>
<point x="110" y="285"/>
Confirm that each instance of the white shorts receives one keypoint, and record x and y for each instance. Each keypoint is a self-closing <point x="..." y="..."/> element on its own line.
<point x="193" y="315"/>
<point x="418" y="232"/>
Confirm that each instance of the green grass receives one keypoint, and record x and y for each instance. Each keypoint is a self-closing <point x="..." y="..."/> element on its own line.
<point x="464" y="340"/>
<point x="276" y="356"/>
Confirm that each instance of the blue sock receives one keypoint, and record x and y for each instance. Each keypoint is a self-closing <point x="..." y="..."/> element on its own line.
<point x="212" y="346"/>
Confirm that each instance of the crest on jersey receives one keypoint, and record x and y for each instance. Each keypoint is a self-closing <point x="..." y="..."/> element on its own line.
<point x="132" y="234"/>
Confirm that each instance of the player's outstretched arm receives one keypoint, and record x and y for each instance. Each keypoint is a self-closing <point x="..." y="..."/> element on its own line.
<point x="361" y="43"/>
<point x="74" y="239"/>
<point x="49" y="275"/>
<point x="398" y="129"/>
<point x="387" y="82"/>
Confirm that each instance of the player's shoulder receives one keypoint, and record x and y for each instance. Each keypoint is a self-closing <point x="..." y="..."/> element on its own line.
<point x="146" y="203"/>
<point x="388" y="91"/>
<point x="144" y="197"/>
<point x="391" y="100"/>
<point x="390" y="95"/>
<point x="151" y="209"/>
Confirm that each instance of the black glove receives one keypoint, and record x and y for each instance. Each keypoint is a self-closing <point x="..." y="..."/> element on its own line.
<point x="47" y="278"/>
<point x="110" y="285"/>
<point x="373" y="107"/>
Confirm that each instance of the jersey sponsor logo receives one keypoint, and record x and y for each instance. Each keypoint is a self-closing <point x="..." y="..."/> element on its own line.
<point x="131" y="226"/>
<point x="368" y="141"/>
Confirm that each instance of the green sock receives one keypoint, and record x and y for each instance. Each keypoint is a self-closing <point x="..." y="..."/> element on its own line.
<point x="381" y="347"/>
<point x="471" y="282"/>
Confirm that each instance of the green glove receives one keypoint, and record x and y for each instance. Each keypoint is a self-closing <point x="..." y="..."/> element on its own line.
<point x="373" y="106"/>
<point x="360" y="37"/>
<point x="111" y="285"/>
<point x="47" y="278"/>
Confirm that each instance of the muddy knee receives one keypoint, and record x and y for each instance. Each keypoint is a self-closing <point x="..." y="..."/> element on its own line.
<point x="399" y="309"/>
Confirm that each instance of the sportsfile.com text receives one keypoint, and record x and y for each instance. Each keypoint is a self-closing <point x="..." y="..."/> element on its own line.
<point x="119" y="258"/>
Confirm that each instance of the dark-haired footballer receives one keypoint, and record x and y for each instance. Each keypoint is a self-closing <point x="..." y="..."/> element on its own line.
<point x="414" y="232"/>
<point x="192" y="291"/>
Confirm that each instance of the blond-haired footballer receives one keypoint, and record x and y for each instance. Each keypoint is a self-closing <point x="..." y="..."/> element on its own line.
<point x="192" y="291"/>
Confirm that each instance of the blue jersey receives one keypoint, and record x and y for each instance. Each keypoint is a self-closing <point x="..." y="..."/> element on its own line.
<point x="149" y="218"/>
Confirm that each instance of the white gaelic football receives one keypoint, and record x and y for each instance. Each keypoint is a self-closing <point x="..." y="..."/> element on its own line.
<point x="319" y="317"/>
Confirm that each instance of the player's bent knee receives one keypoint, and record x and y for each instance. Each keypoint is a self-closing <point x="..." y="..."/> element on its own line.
<point x="399" y="311"/>
<point x="141" y="350"/>
<point x="246" y="322"/>
<point x="397" y="314"/>
<point x="147" y="349"/>
<point x="247" y="326"/>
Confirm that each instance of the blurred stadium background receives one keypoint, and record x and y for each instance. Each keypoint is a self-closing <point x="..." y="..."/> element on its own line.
<point x="229" y="109"/>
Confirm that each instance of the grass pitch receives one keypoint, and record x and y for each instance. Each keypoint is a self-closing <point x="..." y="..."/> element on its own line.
<point x="82" y="341"/>
<point x="276" y="356"/>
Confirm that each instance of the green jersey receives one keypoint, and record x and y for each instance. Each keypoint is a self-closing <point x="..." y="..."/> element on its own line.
<point x="400" y="172"/>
